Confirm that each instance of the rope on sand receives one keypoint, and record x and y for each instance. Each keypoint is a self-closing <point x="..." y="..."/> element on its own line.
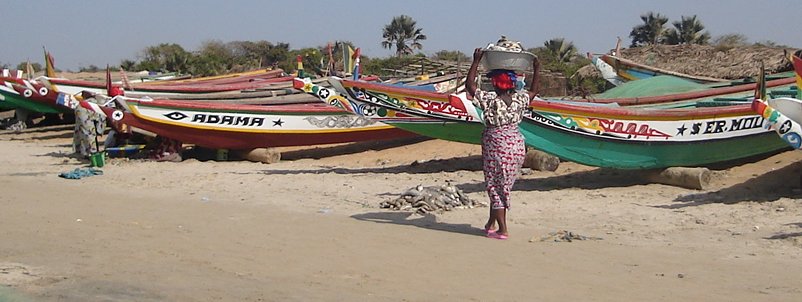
<point x="429" y="199"/>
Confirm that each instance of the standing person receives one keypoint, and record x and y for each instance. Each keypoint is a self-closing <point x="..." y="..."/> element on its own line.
<point x="503" y="148"/>
<point x="88" y="125"/>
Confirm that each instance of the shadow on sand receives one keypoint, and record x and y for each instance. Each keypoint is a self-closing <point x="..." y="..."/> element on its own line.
<point x="468" y="163"/>
<point x="323" y="152"/>
<point x="426" y="221"/>
<point x="781" y="236"/>
<point x="770" y="186"/>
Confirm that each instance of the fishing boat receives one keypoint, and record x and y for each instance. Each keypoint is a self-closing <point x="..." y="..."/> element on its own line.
<point x="691" y="134"/>
<point x="232" y="126"/>
<point x="168" y="89"/>
<point x="629" y="70"/>
<point x="396" y="116"/>
<point x="683" y="129"/>
<point x="31" y="95"/>
<point x="784" y="114"/>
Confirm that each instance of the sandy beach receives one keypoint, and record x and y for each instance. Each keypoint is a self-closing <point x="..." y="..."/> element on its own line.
<point x="310" y="229"/>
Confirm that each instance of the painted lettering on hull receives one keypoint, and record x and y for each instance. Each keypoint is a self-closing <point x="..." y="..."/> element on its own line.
<point x="218" y="119"/>
<point x="722" y="126"/>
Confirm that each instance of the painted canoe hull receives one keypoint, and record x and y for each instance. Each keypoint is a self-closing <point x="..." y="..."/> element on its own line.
<point x="592" y="149"/>
<point x="617" y="137"/>
<point x="784" y="115"/>
<point x="30" y="95"/>
<point x="394" y="115"/>
<point x="225" y="126"/>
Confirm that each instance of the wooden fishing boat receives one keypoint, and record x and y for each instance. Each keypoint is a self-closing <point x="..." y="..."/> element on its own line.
<point x="466" y="132"/>
<point x="30" y="95"/>
<point x="230" y="126"/>
<point x="784" y="115"/>
<point x="646" y="138"/>
<point x="684" y="129"/>
<point x="630" y="70"/>
<point x="166" y="89"/>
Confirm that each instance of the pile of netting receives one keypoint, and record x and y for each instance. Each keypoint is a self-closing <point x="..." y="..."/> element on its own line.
<point x="431" y="199"/>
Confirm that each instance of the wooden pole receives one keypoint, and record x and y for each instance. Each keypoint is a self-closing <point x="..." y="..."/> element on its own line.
<point x="692" y="178"/>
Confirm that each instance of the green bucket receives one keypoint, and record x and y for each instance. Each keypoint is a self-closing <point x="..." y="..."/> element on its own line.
<point x="98" y="159"/>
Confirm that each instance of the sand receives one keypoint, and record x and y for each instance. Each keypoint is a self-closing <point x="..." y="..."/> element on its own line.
<point x="309" y="229"/>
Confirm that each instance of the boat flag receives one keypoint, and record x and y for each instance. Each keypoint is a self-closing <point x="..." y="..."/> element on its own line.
<point x="348" y="61"/>
<point x="29" y="69"/>
<point x="300" y="60"/>
<point x="356" y="69"/>
<point x="49" y="66"/>
<point x="797" y="62"/>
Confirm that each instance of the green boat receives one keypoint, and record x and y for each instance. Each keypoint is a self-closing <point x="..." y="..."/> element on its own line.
<point x="683" y="129"/>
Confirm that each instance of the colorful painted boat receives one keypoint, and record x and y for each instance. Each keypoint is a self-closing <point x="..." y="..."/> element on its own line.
<point x="629" y="70"/>
<point x="648" y="138"/>
<point x="228" y="126"/>
<point x="404" y="107"/>
<point x="165" y="89"/>
<point x="607" y="71"/>
<point x="685" y="129"/>
<point x="784" y="115"/>
<point x="30" y="95"/>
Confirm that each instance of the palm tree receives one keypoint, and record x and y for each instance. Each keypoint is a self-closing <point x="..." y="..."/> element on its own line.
<point x="687" y="31"/>
<point x="650" y="32"/>
<point x="402" y="34"/>
<point x="562" y="50"/>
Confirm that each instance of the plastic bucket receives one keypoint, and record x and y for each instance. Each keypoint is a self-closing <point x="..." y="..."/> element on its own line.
<point x="97" y="159"/>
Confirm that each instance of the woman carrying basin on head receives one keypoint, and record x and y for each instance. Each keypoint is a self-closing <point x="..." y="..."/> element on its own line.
<point x="503" y="148"/>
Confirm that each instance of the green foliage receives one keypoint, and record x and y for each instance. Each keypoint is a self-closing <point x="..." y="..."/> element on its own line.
<point x="384" y="66"/>
<point x="91" y="68"/>
<point x="21" y="66"/>
<point x="165" y="57"/>
<point x="650" y="32"/>
<point x="128" y="64"/>
<point x="213" y="58"/>
<point x="559" y="61"/>
<point x="402" y="34"/>
<point x="687" y="31"/>
<point x="560" y="50"/>
<point x="451" y="55"/>
<point x="253" y="55"/>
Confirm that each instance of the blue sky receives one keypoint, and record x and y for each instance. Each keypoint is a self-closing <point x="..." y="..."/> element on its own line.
<point x="80" y="33"/>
